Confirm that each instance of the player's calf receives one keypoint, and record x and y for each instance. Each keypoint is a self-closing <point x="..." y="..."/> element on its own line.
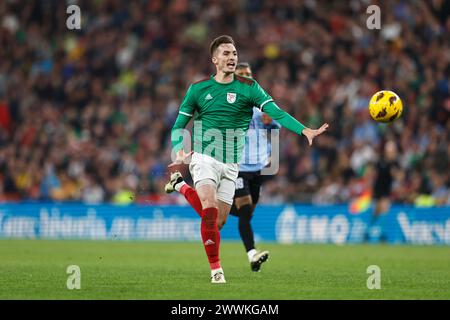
<point x="177" y="183"/>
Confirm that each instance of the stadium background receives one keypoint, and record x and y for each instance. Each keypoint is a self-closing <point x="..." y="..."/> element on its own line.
<point x="85" y="117"/>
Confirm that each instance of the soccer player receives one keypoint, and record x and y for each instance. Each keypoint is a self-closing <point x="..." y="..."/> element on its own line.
<point x="382" y="186"/>
<point x="249" y="181"/>
<point x="223" y="107"/>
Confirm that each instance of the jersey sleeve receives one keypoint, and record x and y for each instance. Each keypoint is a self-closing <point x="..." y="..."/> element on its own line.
<point x="265" y="103"/>
<point x="259" y="96"/>
<point x="177" y="133"/>
<point x="186" y="112"/>
<point x="188" y="105"/>
<point x="283" y="118"/>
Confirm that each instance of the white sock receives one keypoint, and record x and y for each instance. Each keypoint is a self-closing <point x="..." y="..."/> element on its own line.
<point x="179" y="185"/>
<point x="251" y="254"/>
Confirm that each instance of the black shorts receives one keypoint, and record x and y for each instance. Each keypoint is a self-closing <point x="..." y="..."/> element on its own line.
<point x="249" y="183"/>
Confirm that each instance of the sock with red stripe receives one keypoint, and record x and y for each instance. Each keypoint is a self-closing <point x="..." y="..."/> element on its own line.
<point x="211" y="236"/>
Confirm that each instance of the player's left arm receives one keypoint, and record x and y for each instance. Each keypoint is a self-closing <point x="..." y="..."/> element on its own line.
<point x="185" y="114"/>
<point x="267" y="105"/>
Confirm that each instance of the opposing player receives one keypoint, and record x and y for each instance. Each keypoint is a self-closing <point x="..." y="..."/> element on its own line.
<point x="382" y="186"/>
<point x="223" y="107"/>
<point x="249" y="181"/>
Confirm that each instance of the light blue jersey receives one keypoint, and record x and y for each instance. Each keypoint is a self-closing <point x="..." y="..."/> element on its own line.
<point x="257" y="149"/>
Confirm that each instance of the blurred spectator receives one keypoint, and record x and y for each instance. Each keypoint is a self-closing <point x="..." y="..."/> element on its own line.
<point x="86" y="115"/>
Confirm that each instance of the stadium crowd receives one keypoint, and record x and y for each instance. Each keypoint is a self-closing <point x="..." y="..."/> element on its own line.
<point x="85" y="115"/>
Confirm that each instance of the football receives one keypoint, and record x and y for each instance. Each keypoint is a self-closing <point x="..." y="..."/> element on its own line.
<point x="385" y="106"/>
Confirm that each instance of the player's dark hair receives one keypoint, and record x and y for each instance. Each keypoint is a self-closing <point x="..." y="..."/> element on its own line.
<point x="243" y="65"/>
<point x="218" y="41"/>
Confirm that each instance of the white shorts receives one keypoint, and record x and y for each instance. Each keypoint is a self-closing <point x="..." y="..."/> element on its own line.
<point x="207" y="170"/>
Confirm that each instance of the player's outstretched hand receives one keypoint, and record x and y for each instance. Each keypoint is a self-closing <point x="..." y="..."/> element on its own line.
<point x="180" y="159"/>
<point x="310" y="134"/>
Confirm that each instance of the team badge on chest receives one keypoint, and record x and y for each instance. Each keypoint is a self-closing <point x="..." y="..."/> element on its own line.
<point x="231" y="97"/>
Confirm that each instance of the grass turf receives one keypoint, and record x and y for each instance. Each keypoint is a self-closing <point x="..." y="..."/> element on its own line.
<point x="36" y="269"/>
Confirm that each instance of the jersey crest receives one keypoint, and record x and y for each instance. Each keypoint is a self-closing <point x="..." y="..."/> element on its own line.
<point x="231" y="97"/>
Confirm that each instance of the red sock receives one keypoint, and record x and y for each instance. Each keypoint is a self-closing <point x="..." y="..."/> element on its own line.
<point x="211" y="236"/>
<point x="192" y="197"/>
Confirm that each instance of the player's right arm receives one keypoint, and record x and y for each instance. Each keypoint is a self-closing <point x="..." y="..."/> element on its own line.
<point x="185" y="114"/>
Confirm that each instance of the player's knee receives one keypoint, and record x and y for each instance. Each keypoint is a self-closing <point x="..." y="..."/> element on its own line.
<point x="242" y="201"/>
<point x="207" y="202"/>
<point x="210" y="204"/>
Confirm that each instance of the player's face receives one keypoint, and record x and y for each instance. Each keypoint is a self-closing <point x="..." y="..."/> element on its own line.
<point x="244" y="72"/>
<point x="225" y="58"/>
<point x="390" y="150"/>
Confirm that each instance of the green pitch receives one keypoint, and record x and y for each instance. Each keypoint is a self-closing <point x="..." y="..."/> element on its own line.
<point x="36" y="269"/>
